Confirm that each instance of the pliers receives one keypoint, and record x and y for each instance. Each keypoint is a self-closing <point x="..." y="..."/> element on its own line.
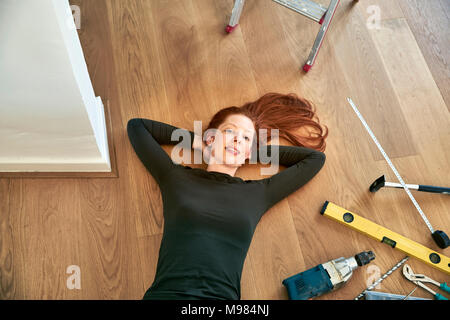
<point x="419" y="278"/>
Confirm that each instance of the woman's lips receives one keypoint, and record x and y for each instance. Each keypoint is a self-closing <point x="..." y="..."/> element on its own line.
<point x="232" y="150"/>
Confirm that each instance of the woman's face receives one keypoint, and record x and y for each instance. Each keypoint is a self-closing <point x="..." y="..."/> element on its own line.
<point x="233" y="141"/>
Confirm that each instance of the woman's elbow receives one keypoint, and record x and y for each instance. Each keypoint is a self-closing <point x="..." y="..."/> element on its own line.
<point x="134" y="122"/>
<point x="321" y="158"/>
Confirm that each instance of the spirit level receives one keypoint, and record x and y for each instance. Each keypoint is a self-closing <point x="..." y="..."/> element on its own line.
<point x="395" y="240"/>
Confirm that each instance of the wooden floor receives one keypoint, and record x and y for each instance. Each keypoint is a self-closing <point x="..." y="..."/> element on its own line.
<point x="171" y="61"/>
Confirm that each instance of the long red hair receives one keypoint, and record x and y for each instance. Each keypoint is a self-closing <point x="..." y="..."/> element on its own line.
<point x="286" y="112"/>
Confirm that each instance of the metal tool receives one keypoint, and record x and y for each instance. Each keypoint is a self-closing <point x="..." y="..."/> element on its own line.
<point x="441" y="239"/>
<point x="376" y="295"/>
<point x="395" y="240"/>
<point x="384" y="276"/>
<point x="325" y="277"/>
<point x="419" y="278"/>
<point x="381" y="182"/>
<point x="310" y="9"/>
<point x="409" y="294"/>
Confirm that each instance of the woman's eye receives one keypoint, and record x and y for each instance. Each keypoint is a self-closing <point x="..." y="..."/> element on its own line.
<point x="231" y="131"/>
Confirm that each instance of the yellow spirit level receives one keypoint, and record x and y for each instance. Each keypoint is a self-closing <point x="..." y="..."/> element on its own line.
<point x="395" y="240"/>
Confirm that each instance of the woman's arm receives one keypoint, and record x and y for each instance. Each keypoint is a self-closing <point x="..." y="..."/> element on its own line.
<point x="147" y="136"/>
<point x="303" y="164"/>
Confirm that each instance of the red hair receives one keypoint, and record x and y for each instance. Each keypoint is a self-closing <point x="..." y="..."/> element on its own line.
<point x="286" y="112"/>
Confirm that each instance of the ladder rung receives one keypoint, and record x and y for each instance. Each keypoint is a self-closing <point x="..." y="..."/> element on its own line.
<point x="308" y="8"/>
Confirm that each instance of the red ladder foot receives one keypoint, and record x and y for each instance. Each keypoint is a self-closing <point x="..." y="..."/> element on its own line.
<point x="230" y="29"/>
<point x="307" y="67"/>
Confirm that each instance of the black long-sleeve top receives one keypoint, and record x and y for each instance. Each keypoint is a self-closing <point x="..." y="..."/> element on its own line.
<point x="209" y="216"/>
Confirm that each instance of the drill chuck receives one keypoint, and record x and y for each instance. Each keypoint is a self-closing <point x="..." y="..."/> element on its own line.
<point x="364" y="258"/>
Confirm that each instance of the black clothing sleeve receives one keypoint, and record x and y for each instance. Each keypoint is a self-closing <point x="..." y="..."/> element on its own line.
<point x="303" y="164"/>
<point x="146" y="137"/>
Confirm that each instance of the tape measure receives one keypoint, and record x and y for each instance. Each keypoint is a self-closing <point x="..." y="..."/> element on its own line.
<point x="394" y="240"/>
<point x="439" y="237"/>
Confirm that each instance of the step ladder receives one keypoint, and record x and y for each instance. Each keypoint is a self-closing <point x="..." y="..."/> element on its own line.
<point x="308" y="8"/>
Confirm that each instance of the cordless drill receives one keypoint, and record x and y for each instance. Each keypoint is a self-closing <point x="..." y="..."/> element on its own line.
<point x="325" y="277"/>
